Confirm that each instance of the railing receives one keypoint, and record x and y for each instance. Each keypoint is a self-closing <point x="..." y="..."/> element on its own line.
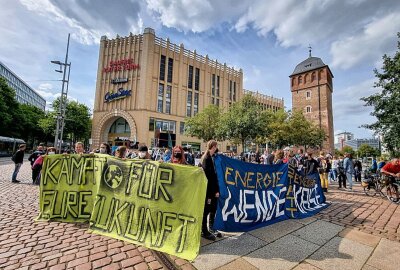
<point x="263" y="96"/>
<point x="177" y="49"/>
<point x="197" y="57"/>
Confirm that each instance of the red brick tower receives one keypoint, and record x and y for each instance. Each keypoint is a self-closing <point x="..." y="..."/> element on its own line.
<point x="312" y="88"/>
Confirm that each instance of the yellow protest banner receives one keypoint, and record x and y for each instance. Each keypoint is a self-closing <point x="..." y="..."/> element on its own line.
<point x="158" y="205"/>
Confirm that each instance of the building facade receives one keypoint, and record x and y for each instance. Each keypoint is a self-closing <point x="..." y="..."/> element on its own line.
<point x="341" y="138"/>
<point x="147" y="86"/>
<point x="312" y="88"/>
<point x="24" y="93"/>
<point x="356" y="143"/>
<point x="266" y="102"/>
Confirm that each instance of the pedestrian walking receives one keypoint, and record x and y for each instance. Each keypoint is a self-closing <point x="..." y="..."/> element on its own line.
<point x="18" y="159"/>
<point x="341" y="176"/>
<point x="349" y="170"/>
<point x="323" y="171"/>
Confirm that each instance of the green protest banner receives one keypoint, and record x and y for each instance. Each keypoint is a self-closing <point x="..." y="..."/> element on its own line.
<point x="158" y="205"/>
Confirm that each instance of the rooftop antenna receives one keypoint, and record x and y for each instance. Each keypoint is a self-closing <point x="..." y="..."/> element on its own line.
<point x="309" y="50"/>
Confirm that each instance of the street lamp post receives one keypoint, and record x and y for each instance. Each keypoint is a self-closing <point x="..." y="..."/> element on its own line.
<point x="63" y="100"/>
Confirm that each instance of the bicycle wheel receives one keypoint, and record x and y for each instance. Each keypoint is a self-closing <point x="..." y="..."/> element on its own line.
<point x="391" y="193"/>
<point x="370" y="189"/>
<point x="379" y="188"/>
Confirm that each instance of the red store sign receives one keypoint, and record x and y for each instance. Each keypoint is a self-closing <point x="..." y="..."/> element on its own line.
<point x="119" y="65"/>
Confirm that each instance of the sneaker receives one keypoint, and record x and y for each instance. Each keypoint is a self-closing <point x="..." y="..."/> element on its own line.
<point x="209" y="236"/>
<point x="15" y="181"/>
<point x="216" y="233"/>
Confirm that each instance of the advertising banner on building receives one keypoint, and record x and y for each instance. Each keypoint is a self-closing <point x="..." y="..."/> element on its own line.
<point x="253" y="196"/>
<point x="158" y="205"/>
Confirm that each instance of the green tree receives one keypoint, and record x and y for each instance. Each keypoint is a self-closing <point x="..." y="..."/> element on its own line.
<point x="10" y="116"/>
<point x="303" y="132"/>
<point x="30" y="123"/>
<point x="204" y="125"/>
<point x="48" y="125"/>
<point x="242" y="121"/>
<point x="386" y="102"/>
<point x="366" y="150"/>
<point x="77" y="123"/>
<point x="278" y="129"/>
<point x="348" y="149"/>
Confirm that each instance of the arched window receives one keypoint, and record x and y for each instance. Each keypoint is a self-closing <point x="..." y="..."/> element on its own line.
<point x="313" y="76"/>
<point x="308" y="109"/>
<point x="300" y="80"/>
<point x="308" y="95"/>
<point x="306" y="78"/>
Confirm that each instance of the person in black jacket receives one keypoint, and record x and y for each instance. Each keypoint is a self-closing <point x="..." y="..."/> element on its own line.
<point x="18" y="159"/>
<point x="310" y="165"/>
<point x="32" y="158"/>
<point x="212" y="194"/>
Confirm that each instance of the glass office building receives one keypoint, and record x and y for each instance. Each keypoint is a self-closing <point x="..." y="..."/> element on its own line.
<point x="24" y="93"/>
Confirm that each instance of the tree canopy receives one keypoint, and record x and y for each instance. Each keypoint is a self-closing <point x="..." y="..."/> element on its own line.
<point x="10" y="120"/>
<point x="365" y="150"/>
<point x="245" y="121"/>
<point x="77" y="125"/>
<point x="386" y="103"/>
<point x="204" y="125"/>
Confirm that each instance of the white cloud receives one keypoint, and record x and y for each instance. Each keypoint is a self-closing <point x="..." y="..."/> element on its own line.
<point x="196" y="15"/>
<point x="354" y="30"/>
<point x="349" y="111"/>
<point x="46" y="91"/>
<point x="378" y="37"/>
<point x="47" y="9"/>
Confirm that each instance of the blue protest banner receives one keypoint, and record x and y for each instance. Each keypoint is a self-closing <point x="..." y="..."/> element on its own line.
<point x="253" y="196"/>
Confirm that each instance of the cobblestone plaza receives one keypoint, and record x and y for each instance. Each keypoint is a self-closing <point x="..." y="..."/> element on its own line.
<point x="354" y="232"/>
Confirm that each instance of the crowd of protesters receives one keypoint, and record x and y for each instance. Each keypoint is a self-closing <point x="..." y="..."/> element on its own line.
<point x="342" y="169"/>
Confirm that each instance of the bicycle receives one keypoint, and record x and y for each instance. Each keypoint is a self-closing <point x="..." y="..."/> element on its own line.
<point x="372" y="185"/>
<point x="392" y="189"/>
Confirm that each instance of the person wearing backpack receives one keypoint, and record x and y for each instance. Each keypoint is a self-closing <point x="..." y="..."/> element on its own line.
<point x="18" y="159"/>
<point x="323" y="171"/>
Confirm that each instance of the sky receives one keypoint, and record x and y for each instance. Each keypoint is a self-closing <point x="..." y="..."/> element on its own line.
<point x="265" y="38"/>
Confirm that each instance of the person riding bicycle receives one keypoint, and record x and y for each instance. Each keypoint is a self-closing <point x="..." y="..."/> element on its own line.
<point x="392" y="170"/>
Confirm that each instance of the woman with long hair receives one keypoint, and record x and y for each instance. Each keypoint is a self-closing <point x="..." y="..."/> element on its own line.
<point x="105" y="148"/>
<point x="212" y="194"/>
<point x="37" y="165"/>
<point x="177" y="155"/>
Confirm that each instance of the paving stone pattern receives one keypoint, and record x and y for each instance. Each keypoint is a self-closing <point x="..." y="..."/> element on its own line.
<point x="373" y="215"/>
<point x="26" y="244"/>
<point x="354" y="232"/>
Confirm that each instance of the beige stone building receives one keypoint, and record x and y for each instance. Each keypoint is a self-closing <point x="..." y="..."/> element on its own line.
<point x="147" y="86"/>
<point x="266" y="102"/>
<point x="312" y="88"/>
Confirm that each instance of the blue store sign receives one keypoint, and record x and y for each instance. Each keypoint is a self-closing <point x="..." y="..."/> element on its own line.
<point x="121" y="93"/>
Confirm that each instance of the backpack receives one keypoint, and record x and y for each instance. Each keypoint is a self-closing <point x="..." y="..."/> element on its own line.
<point x="14" y="157"/>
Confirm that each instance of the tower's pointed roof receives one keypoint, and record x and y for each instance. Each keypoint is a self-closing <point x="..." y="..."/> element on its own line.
<point x="309" y="64"/>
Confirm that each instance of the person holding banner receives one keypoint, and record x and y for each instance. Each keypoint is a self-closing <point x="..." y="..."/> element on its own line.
<point x="105" y="148"/>
<point x="177" y="155"/>
<point x="38" y="164"/>
<point x="143" y="152"/>
<point x="79" y="148"/>
<point x="121" y="152"/>
<point x="310" y="165"/>
<point x="212" y="193"/>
